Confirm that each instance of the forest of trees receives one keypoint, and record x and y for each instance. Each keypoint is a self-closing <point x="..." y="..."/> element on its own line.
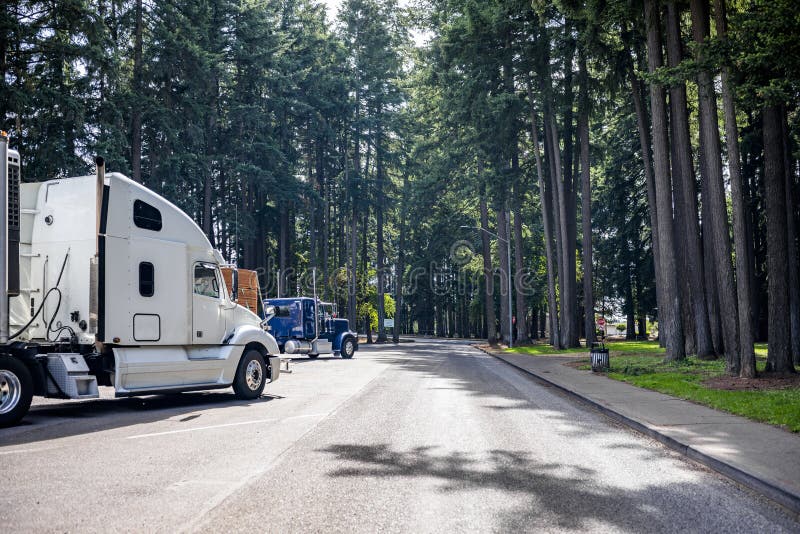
<point x="638" y="158"/>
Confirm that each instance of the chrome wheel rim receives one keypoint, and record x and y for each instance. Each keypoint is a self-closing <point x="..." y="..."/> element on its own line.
<point x="253" y="375"/>
<point x="348" y="347"/>
<point x="10" y="391"/>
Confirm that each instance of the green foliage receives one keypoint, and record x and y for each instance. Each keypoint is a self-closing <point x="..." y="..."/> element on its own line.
<point x="615" y="348"/>
<point x="684" y="379"/>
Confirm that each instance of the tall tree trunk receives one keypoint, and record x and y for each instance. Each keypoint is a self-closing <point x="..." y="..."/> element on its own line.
<point x="686" y="200"/>
<point x="586" y="200"/>
<point x="642" y="126"/>
<point x="136" y="109"/>
<point x="791" y="236"/>
<point x="505" y="269"/>
<point x="555" y="338"/>
<point x="779" y="357"/>
<point x="669" y="312"/>
<point x="562" y="236"/>
<point x="381" y="273"/>
<point x="401" y="261"/>
<point x="552" y="191"/>
<point x="488" y="269"/>
<point x="283" y="247"/>
<point x="720" y="234"/>
<point x="744" y="270"/>
<point x="519" y="277"/>
<point x="569" y="201"/>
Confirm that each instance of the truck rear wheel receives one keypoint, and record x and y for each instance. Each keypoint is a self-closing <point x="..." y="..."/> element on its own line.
<point x="313" y="356"/>
<point x="251" y="376"/>
<point x="348" y="348"/>
<point x="16" y="390"/>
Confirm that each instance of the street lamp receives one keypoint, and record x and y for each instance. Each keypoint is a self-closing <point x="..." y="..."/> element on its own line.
<point x="510" y="281"/>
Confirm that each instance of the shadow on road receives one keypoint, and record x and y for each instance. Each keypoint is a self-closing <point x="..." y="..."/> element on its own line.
<point x="77" y="418"/>
<point x="568" y="497"/>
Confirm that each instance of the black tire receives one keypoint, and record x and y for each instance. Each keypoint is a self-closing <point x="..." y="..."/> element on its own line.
<point x="348" y="348"/>
<point x="16" y="390"/>
<point x="251" y="376"/>
<point x="313" y="356"/>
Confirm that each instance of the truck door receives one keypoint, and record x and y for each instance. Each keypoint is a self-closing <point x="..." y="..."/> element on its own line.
<point x="208" y="306"/>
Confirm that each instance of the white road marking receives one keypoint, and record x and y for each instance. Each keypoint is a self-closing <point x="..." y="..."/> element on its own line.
<point x="213" y="427"/>
<point x="20" y="451"/>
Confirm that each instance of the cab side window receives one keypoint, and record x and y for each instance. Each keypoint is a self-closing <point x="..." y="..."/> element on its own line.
<point x="205" y="281"/>
<point x="146" y="216"/>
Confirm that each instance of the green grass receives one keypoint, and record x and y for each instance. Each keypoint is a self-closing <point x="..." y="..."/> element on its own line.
<point x="639" y="347"/>
<point x="684" y="380"/>
<point x="640" y="363"/>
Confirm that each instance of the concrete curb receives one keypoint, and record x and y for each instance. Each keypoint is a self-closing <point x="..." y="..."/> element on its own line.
<point x="774" y="492"/>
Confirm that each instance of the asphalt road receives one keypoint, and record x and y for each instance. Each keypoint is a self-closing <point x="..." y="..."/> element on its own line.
<point x="420" y="437"/>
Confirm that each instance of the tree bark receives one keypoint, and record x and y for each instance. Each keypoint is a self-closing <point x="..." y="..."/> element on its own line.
<point x="523" y="337"/>
<point x="488" y="269"/>
<point x="644" y="145"/>
<point x="283" y="246"/>
<point x="779" y="357"/>
<point x="136" y="110"/>
<point x="560" y="196"/>
<point x="569" y="200"/>
<point x="720" y="231"/>
<point x="401" y="261"/>
<point x="379" y="230"/>
<point x="791" y="236"/>
<point x="669" y="313"/>
<point x="505" y="269"/>
<point x="555" y="338"/>
<point x="744" y="270"/>
<point x="586" y="200"/>
<point x="696" y="321"/>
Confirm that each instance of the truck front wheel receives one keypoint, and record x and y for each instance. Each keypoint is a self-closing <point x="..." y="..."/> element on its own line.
<point x="348" y="348"/>
<point x="251" y="376"/>
<point x="16" y="390"/>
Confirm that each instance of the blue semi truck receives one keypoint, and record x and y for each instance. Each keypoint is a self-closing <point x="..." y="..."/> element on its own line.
<point x="303" y="325"/>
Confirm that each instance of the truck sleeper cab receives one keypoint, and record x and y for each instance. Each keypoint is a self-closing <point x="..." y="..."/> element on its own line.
<point x="119" y="287"/>
<point x="304" y="326"/>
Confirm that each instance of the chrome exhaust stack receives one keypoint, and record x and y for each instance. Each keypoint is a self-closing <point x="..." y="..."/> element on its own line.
<point x="4" y="313"/>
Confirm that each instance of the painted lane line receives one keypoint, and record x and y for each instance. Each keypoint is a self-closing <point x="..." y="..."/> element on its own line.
<point x="225" y="425"/>
<point x="21" y="451"/>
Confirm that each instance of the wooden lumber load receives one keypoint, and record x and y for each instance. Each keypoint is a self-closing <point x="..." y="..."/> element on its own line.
<point x="249" y="290"/>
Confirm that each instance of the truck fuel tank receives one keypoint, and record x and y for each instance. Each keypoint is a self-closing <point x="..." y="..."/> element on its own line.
<point x="296" y="346"/>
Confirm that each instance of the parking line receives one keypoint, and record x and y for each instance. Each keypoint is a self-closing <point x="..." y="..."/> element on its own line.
<point x="225" y="425"/>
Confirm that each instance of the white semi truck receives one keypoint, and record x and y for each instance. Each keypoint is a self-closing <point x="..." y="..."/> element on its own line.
<point x="104" y="282"/>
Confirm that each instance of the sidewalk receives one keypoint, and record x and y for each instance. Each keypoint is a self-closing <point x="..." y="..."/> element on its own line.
<point x="761" y="457"/>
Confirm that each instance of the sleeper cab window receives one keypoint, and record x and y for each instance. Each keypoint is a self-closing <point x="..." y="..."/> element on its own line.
<point x="205" y="280"/>
<point x="147" y="279"/>
<point x="146" y="216"/>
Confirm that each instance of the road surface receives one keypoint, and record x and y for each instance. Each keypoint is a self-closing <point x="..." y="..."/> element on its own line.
<point x="417" y="437"/>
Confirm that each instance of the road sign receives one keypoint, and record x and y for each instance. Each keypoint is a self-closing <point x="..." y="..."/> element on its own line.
<point x="388" y="323"/>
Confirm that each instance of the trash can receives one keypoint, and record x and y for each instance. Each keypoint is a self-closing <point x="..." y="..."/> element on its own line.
<point x="599" y="355"/>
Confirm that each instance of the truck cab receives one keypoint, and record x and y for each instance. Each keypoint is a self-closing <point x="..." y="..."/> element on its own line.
<point x="304" y="325"/>
<point x="108" y="283"/>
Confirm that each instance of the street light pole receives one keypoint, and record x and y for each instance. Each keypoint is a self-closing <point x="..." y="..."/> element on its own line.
<point x="510" y="280"/>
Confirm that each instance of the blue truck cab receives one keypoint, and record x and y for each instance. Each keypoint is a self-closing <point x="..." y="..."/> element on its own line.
<point x="302" y="326"/>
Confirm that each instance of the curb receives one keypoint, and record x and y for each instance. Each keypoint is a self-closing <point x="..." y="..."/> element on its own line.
<point x="777" y="494"/>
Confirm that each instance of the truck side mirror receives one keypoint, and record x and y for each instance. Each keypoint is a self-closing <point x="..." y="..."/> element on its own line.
<point x="235" y="284"/>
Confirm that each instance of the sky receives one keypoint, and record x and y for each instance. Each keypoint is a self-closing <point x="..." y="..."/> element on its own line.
<point x="333" y="8"/>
